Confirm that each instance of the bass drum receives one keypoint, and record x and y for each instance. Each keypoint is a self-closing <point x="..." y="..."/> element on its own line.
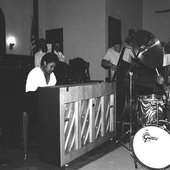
<point x="150" y="147"/>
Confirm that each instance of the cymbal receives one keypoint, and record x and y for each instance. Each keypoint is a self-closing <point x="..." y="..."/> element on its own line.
<point x="148" y="49"/>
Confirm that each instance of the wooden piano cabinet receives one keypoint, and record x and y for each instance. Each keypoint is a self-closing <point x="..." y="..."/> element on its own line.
<point x="75" y="119"/>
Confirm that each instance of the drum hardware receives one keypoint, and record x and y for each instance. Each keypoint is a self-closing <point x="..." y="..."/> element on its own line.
<point x="147" y="50"/>
<point x="150" y="144"/>
<point x="143" y="145"/>
<point x="165" y="123"/>
<point x="130" y="131"/>
<point x="151" y="108"/>
<point x="157" y="110"/>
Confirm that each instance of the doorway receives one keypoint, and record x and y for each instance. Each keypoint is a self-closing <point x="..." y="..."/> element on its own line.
<point x="55" y="37"/>
<point x="114" y="30"/>
<point x="114" y="35"/>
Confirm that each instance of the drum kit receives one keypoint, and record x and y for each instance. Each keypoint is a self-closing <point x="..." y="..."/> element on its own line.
<point x="150" y="144"/>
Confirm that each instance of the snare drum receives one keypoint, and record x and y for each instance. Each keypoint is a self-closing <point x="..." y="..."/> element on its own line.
<point x="151" y="108"/>
<point x="151" y="147"/>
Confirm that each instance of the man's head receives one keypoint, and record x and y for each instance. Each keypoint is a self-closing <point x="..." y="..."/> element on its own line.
<point x="48" y="62"/>
<point x="42" y="45"/>
<point x="117" y="46"/>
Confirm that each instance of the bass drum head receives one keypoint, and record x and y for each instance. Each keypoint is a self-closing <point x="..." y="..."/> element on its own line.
<point x="151" y="147"/>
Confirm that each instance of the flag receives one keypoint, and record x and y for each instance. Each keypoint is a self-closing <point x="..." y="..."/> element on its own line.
<point x="34" y="28"/>
<point x="33" y="38"/>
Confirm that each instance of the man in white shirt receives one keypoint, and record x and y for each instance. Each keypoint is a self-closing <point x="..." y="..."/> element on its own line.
<point x="118" y="60"/>
<point x="38" y="77"/>
<point x="43" y="75"/>
<point x="113" y="57"/>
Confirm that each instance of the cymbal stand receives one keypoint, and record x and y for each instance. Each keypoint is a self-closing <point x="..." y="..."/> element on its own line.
<point x="130" y="120"/>
<point x="130" y="108"/>
<point x="157" y="111"/>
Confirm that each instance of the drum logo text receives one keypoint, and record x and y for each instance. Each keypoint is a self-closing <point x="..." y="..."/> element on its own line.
<point x="147" y="137"/>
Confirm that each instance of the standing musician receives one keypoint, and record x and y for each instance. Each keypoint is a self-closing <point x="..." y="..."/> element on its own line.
<point x="113" y="54"/>
<point x="118" y="60"/>
<point x="111" y="58"/>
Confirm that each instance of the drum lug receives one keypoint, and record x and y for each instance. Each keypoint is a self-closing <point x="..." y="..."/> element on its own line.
<point x="163" y="127"/>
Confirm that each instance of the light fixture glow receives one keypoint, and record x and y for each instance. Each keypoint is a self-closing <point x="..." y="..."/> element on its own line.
<point x="11" y="41"/>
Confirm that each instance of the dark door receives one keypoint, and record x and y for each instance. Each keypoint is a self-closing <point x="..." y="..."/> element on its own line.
<point x="114" y="30"/>
<point x="55" y="37"/>
<point x="114" y="35"/>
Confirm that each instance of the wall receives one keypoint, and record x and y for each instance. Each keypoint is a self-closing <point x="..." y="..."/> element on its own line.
<point x="18" y="23"/>
<point x="157" y="23"/>
<point x="85" y="26"/>
<point x="129" y="12"/>
<point x="84" y="29"/>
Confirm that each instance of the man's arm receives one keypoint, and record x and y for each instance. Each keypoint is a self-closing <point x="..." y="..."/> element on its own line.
<point x="108" y="65"/>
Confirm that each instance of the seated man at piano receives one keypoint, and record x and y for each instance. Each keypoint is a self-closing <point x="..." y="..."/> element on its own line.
<point x="38" y="77"/>
<point x="43" y="75"/>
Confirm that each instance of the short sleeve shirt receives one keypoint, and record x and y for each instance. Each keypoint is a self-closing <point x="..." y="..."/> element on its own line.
<point x="128" y="55"/>
<point x="37" y="79"/>
<point x="166" y="59"/>
<point x="112" y="56"/>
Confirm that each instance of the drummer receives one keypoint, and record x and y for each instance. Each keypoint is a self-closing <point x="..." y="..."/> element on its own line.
<point x="149" y="74"/>
<point x="166" y="62"/>
<point x="165" y="82"/>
